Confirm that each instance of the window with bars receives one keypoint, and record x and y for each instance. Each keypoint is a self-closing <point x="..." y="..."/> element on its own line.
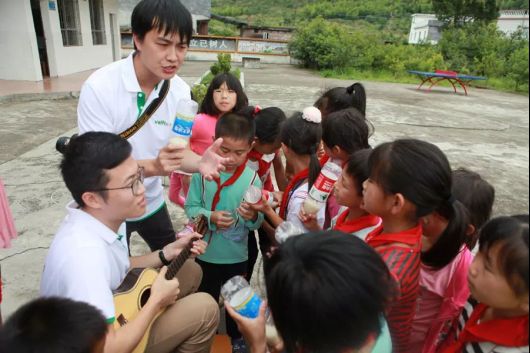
<point x="97" y="21"/>
<point x="70" y="23"/>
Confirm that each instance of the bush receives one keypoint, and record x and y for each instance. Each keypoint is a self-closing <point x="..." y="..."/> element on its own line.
<point x="223" y="64"/>
<point x="322" y="45"/>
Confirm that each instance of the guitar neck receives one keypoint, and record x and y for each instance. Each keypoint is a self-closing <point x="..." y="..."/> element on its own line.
<point x="179" y="261"/>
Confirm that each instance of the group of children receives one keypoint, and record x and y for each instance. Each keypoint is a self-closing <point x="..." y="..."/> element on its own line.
<point x="402" y="198"/>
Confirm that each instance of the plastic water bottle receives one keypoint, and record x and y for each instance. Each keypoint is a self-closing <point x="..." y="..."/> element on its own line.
<point x="238" y="293"/>
<point x="319" y="193"/>
<point x="253" y="195"/>
<point x="268" y="196"/>
<point x="181" y="130"/>
<point x="286" y="230"/>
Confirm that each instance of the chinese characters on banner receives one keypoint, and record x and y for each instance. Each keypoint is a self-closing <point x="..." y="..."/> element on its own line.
<point x="242" y="45"/>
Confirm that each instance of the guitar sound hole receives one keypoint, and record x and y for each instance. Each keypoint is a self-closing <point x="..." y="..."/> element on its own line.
<point x="145" y="297"/>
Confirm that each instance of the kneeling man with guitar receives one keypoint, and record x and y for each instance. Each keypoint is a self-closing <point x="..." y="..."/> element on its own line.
<point x="147" y="310"/>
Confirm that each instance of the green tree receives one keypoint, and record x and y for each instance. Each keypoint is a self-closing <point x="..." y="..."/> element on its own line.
<point x="518" y="67"/>
<point x="459" y="12"/>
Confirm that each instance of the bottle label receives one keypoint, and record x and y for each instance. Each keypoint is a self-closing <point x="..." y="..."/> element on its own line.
<point x="182" y="127"/>
<point x="322" y="188"/>
<point x="250" y="308"/>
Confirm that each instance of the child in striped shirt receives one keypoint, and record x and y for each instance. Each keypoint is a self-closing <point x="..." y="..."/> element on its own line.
<point x="495" y="320"/>
<point x="409" y="179"/>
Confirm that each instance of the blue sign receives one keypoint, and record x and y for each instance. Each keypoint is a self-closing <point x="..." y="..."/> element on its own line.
<point x="51" y="5"/>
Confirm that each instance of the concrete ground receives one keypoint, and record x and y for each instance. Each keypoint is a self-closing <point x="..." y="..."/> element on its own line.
<point x="486" y="131"/>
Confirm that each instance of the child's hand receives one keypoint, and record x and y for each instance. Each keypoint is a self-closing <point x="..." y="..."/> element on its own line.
<point x="222" y="219"/>
<point x="310" y="221"/>
<point x="262" y="206"/>
<point x="278" y="197"/>
<point x="247" y="212"/>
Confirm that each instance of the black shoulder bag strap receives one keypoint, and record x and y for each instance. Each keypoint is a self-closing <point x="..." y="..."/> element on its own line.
<point x="148" y="113"/>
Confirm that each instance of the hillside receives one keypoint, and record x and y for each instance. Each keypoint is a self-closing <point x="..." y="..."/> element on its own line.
<point x="391" y="17"/>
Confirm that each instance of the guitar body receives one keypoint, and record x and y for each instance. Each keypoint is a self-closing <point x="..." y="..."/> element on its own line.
<point x="131" y="297"/>
<point x="134" y="292"/>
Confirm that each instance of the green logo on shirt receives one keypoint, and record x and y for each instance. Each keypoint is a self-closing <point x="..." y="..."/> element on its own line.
<point x="161" y="123"/>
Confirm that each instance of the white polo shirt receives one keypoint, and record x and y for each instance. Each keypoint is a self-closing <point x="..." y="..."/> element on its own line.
<point x="86" y="262"/>
<point x="111" y="100"/>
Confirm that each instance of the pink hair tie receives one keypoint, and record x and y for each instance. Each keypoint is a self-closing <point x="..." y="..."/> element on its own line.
<point x="257" y="110"/>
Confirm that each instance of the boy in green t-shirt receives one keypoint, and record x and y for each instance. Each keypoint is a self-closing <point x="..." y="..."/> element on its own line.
<point x="230" y="219"/>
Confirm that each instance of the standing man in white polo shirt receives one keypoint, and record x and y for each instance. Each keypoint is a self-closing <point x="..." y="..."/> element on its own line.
<point x="89" y="257"/>
<point x="114" y="97"/>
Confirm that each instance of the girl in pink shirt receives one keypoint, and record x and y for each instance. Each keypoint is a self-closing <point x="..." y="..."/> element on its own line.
<point x="446" y="260"/>
<point x="225" y="94"/>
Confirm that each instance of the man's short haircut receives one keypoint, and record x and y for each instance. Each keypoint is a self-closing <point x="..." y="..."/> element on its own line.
<point x="327" y="292"/>
<point x="53" y="325"/>
<point x="237" y="127"/>
<point x="168" y="16"/>
<point x="88" y="158"/>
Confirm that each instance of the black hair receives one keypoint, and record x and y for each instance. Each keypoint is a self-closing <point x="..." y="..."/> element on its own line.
<point x="454" y="237"/>
<point x="169" y="16"/>
<point x="53" y="325"/>
<point x="347" y="129"/>
<point x="340" y="98"/>
<point x="511" y="234"/>
<point x="327" y="292"/>
<point x="233" y="83"/>
<point x="86" y="160"/>
<point x="304" y="137"/>
<point x="269" y="122"/>
<point x="416" y="169"/>
<point x="477" y="195"/>
<point x="357" y="168"/>
<point x="236" y="126"/>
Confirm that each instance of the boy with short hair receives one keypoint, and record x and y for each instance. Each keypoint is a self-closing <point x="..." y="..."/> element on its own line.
<point x="54" y="325"/>
<point x="229" y="220"/>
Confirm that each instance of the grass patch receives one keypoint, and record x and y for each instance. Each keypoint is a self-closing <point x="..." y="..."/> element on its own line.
<point x="499" y="84"/>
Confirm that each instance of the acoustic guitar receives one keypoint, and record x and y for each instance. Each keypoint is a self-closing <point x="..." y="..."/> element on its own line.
<point x="134" y="292"/>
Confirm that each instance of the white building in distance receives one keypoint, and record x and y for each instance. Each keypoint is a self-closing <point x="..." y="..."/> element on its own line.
<point x="50" y="38"/>
<point x="426" y="29"/>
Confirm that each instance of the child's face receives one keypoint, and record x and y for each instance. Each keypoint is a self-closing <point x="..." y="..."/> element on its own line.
<point x="267" y="148"/>
<point x="224" y="99"/>
<point x="346" y="192"/>
<point x="235" y="151"/>
<point x="489" y="286"/>
<point x="336" y="153"/>
<point x="376" y="201"/>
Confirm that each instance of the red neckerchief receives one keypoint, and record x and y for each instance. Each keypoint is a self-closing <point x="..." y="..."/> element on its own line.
<point x="324" y="160"/>
<point x="263" y="165"/>
<point x="503" y="332"/>
<point x="357" y="224"/>
<point x="411" y="237"/>
<point x="239" y="171"/>
<point x="293" y="184"/>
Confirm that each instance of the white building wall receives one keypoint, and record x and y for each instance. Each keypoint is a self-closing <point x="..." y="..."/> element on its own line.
<point x="19" y="59"/>
<point x="419" y="29"/>
<point x="512" y="21"/>
<point x="67" y="60"/>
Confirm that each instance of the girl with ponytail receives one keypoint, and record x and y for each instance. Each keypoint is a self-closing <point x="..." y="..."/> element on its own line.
<point x="340" y="98"/>
<point x="446" y="259"/>
<point x="301" y="136"/>
<point x="408" y="180"/>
